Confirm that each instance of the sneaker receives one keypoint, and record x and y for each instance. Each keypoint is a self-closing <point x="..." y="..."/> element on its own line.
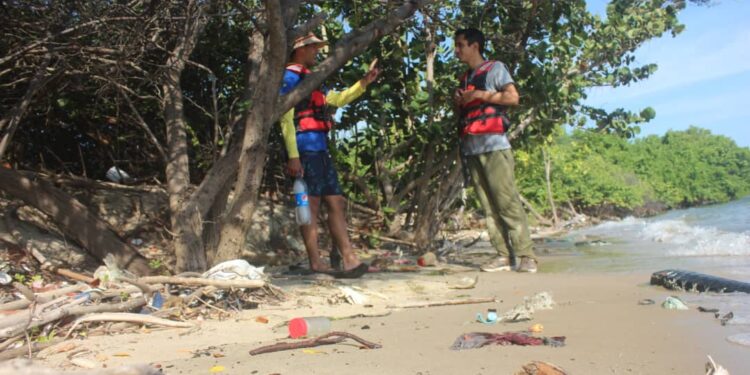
<point x="527" y="264"/>
<point x="496" y="265"/>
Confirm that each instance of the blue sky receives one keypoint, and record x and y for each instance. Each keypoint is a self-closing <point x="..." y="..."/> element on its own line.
<point x="703" y="77"/>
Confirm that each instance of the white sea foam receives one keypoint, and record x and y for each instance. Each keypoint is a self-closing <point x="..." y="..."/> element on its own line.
<point x="695" y="240"/>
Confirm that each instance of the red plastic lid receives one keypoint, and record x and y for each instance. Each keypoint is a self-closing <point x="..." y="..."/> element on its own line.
<point x="297" y="328"/>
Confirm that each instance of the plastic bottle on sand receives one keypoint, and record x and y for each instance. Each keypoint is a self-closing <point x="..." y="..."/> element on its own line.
<point x="309" y="327"/>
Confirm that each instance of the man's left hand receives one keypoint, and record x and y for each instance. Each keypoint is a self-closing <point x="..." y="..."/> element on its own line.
<point x="370" y="77"/>
<point x="470" y="96"/>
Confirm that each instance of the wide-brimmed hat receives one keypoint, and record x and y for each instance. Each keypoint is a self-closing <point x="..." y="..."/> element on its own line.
<point x="307" y="40"/>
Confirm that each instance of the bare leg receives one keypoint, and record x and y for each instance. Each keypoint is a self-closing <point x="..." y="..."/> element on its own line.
<point x="310" y="235"/>
<point x="337" y="225"/>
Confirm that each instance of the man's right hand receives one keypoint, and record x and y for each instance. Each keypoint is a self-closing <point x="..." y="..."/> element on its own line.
<point x="294" y="167"/>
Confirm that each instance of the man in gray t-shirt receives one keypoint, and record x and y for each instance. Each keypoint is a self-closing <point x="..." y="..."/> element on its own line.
<point x="485" y="93"/>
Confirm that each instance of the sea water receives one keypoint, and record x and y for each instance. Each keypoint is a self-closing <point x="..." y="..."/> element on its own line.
<point x="712" y="239"/>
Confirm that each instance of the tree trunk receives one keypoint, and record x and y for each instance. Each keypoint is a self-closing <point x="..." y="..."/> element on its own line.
<point x="74" y="219"/>
<point x="192" y="256"/>
<point x="252" y="160"/>
<point x="9" y="123"/>
<point x="547" y="171"/>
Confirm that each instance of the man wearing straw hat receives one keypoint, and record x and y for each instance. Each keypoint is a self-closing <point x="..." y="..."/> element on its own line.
<point x="305" y="130"/>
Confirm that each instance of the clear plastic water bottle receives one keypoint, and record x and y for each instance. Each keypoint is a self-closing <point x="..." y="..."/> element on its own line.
<point x="303" y="205"/>
<point x="309" y="327"/>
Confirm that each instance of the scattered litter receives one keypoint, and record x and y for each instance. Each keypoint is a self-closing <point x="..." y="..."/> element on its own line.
<point x="726" y="318"/>
<point x="526" y="310"/>
<point x="541" y="368"/>
<point x="490" y="319"/>
<point x="309" y="327"/>
<point x="136" y="242"/>
<point x="465" y="283"/>
<point x="479" y="339"/>
<point x="428" y="259"/>
<point x="216" y="369"/>
<point x="707" y="310"/>
<point x="713" y="369"/>
<point x="674" y="303"/>
<point x="647" y="301"/>
<point x="313" y="351"/>
<point x="233" y="270"/>
<point x="536" y="328"/>
<point x="262" y="320"/>
<point x="352" y="296"/>
<point x="121" y="354"/>
<point x="5" y="279"/>
<point x="115" y="174"/>
<point x="740" y="339"/>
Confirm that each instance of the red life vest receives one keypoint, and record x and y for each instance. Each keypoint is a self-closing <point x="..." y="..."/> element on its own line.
<point x="311" y="113"/>
<point x="478" y="117"/>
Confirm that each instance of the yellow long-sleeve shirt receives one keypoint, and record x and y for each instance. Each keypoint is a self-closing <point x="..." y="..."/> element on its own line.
<point x="333" y="98"/>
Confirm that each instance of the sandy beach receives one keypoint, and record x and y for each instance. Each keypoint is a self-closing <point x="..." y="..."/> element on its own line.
<point x="606" y="330"/>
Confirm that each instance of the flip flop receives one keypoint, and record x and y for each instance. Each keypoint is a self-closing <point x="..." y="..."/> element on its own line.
<point x="354" y="273"/>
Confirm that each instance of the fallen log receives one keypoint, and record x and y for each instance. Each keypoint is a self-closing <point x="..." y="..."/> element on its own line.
<point x="74" y="219"/>
<point x="327" y="339"/>
<point x="130" y="318"/>
<point x="43" y="297"/>
<point x="8" y="331"/>
<point x="453" y="302"/>
<point x="195" y="281"/>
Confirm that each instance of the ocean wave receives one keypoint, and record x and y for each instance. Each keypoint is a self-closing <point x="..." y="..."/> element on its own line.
<point x="695" y="240"/>
<point x="629" y="221"/>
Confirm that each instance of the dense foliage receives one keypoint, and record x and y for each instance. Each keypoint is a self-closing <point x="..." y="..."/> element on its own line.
<point x="594" y="170"/>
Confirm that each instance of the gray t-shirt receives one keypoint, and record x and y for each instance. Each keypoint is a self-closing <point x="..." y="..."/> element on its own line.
<point x="474" y="144"/>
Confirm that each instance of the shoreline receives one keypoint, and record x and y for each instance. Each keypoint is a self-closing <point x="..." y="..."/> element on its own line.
<point x="607" y="331"/>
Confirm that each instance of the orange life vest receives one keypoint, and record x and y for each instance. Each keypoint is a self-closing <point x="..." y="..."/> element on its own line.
<point x="478" y="117"/>
<point x="311" y="113"/>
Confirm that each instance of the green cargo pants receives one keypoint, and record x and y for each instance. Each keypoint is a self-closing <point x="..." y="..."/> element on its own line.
<point x="494" y="181"/>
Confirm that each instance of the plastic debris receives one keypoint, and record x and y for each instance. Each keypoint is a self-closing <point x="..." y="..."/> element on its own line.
<point x="465" y="283"/>
<point x="115" y="174"/>
<point x="647" y="301"/>
<point x="5" y="279"/>
<point x="526" y="310"/>
<point x="713" y="369"/>
<point x="352" y="296"/>
<point x="427" y="260"/>
<point x="157" y="301"/>
<point x="674" y="303"/>
<point x="234" y="269"/>
<point x="536" y="328"/>
<point x="490" y="319"/>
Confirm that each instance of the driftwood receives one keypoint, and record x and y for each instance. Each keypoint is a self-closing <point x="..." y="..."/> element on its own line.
<point x="128" y="317"/>
<point x="22" y="322"/>
<point x="468" y="301"/>
<point x="327" y="339"/>
<point x="203" y="282"/>
<point x="25" y="350"/>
